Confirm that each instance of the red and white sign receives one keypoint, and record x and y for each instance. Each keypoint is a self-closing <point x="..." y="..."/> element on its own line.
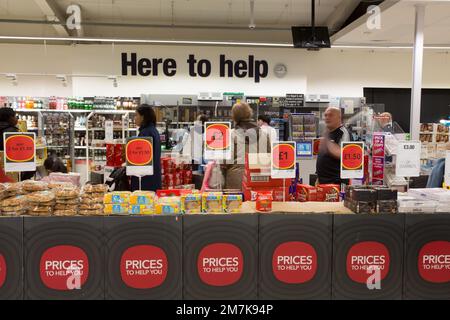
<point x="352" y="160"/>
<point x="217" y="140"/>
<point x="294" y="262"/>
<point x="64" y="268"/>
<point x="20" y="151"/>
<point x="365" y="255"/>
<point x="143" y="267"/>
<point x="434" y="262"/>
<point x="220" y="264"/>
<point x="2" y="270"/>
<point x="283" y="157"/>
<point x="139" y="156"/>
<point x="378" y="153"/>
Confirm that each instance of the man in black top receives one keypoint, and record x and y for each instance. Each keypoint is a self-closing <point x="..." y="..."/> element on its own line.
<point x="328" y="160"/>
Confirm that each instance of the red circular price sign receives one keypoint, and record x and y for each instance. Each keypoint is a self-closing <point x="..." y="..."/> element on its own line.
<point x="19" y="148"/>
<point x="352" y="156"/>
<point x="217" y="136"/>
<point x="283" y="156"/>
<point x="139" y="152"/>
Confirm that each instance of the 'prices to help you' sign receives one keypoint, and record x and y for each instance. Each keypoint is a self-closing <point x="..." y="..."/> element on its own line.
<point x="20" y="151"/>
<point x="283" y="160"/>
<point x="139" y="155"/>
<point x="352" y="160"/>
<point x="217" y="140"/>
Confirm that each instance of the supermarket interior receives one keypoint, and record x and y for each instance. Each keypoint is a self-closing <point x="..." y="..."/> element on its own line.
<point x="272" y="150"/>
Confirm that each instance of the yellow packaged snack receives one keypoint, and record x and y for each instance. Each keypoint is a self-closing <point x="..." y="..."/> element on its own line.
<point x="141" y="209"/>
<point x="212" y="202"/>
<point x="191" y="203"/>
<point x="168" y="205"/>
<point x="142" y="198"/>
<point x="117" y="197"/>
<point x="232" y="203"/>
<point x="121" y="208"/>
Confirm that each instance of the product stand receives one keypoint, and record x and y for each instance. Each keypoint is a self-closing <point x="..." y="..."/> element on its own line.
<point x="51" y="243"/>
<point x="427" y="250"/>
<point x="11" y="258"/>
<point x="295" y="256"/>
<point x="220" y="255"/>
<point x="143" y="257"/>
<point x="361" y="241"/>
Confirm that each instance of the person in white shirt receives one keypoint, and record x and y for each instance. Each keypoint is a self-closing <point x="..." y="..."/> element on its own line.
<point x="264" y="124"/>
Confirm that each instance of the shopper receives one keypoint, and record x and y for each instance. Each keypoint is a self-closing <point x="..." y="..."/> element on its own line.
<point x="54" y="164"/>
<point x="145" y="119"/>
<point x="264" y="124"/>
<point x="328" y="160"/>
<point x="385" y="122"/>
<point x="246" y="137"/>
<point x="8" y="123"/>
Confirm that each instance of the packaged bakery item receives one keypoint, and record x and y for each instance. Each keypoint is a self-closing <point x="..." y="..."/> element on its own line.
<point x="264" y="201"/>
<point x="67" y="192"/>
<point x="63" y="206"/>
<point x="232" y="203"/>
<point x="141" y="209"/>
<point x="212" y="202"/>
<point x="99" y="212"/>
<point x="168" y="205"/>
<point x="13" y="189"/>
<point x="91" y="197"/>
<point x="73" y="201"/>
<point x="117" y="197"/>
<point x="191" y="203"/>
<point x="91" y="206"/>
<point x="13" y="206"/>
<point x="32" y="186"/>
<point x="142" y="198"/>
<point x="57" y="185"/>
<point x="95" y="188"/>
<point x="328" y="192"/>
<point x="66" y="212"/>
<point x="306" y="193"/>
<point x="40" y="197"/>
<point x="116" y="208"/>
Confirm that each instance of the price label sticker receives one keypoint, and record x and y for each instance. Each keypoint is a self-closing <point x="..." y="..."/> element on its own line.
<point x="352" y="160"/>
<point x="139" y="156"/>
<point x="19" y="151"/>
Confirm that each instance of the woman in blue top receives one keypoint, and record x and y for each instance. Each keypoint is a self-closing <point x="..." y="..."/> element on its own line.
<point x="145" y="119"/>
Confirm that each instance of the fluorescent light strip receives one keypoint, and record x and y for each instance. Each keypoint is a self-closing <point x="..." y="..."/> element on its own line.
<point x="212" y="43"/>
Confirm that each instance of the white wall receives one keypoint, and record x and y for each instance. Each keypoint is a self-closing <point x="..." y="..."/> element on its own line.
<point x="335" y="72"/>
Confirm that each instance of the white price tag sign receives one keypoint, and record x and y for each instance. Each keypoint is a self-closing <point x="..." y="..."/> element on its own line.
<point x="407" y="163"/>
<point x="109" y="129"/>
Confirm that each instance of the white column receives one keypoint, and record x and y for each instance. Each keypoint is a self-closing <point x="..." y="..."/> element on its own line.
<point x="416" y="92"/>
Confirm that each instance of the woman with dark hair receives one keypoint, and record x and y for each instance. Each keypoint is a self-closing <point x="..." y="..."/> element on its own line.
<point x="8" y="123"/>
<point x="145" y="119"/>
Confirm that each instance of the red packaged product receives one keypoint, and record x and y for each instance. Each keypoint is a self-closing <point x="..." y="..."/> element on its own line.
<point x="328" y="192"/>
<point x="110" y="155"/>
<point x="306" y="193"/>
<point x="264" y="201"/>
<point x="118" y="154"/>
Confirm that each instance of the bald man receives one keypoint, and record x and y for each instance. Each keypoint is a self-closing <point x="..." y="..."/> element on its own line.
<point x="328" y="160"/>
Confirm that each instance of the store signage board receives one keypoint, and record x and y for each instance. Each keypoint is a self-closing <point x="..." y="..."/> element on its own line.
<point x="378" y="153"/>
<point x="447" y="169"/>
<point x="283" y="157"/>
<point x="352" y="160"/>
<point x="294" y="100"/>
<point x="20" y="151"/>
<point x="109" y="131"/>
<point x="304" y="149"/>
<point x="217" y="141"/>
<point x="139" y="156"/>
<point x="407" y="163"/>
